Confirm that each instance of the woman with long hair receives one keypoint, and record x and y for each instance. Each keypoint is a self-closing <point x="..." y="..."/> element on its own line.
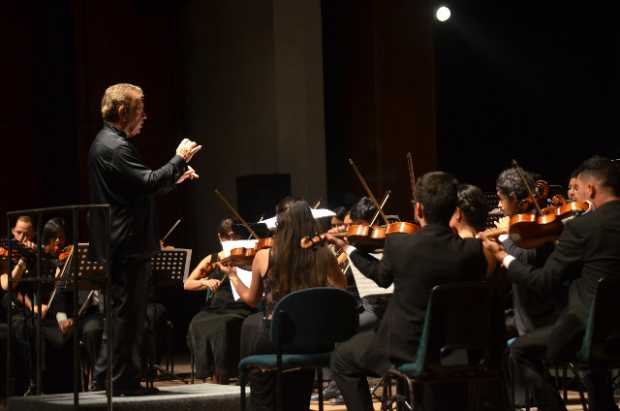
<point x="276" y="272"/>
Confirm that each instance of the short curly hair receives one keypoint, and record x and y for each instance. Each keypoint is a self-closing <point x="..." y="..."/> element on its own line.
<point x="510" y="183"/>
<point x="117" y="96"/>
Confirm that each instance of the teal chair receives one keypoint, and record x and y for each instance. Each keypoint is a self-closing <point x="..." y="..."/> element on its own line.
<point x="601" y="340"/>
<point x="461" y="342"/>
<point x="304" y="328"/>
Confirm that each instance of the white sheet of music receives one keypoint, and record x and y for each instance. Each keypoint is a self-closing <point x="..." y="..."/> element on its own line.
<point x="366" y="286"/>
<point x="246" y="278"/>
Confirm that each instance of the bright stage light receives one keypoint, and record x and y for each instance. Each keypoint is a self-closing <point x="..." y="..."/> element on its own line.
<point x="442" y="13"/>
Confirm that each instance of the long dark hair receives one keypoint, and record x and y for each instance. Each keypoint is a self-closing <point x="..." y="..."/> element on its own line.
<point x="293" y="267"/>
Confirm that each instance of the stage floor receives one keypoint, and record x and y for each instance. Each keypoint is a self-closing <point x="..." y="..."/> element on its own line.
<point x="173" y="395"/>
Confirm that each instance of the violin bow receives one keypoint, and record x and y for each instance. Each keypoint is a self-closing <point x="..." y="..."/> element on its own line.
<point x="411" y="178"/>
<point x="60" y="277"/>
<point x="316" y="205"/>
<point x="235" y="213"/>
<point x="174" y="226"/>
<point x="368" y="191"/>
<point x="383" y="202"/>
<point x="530" y="192"/>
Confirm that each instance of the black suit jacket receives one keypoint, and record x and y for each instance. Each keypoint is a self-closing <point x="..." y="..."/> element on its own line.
<point x="415" y="264"/>
<point x="533" y="310"/>
<point x="587" y="250"/>
<point x="118" y="176"/>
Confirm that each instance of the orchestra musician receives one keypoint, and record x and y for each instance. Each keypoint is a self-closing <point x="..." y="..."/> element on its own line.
<point x="586" y="251"/>
<point x="573" y="186"/>
<point x="529" y="309"/>
<point x="118" y="176"/>
<point x="415" y="263"/>
<point x="371" y="308"/>
<point x="284" y="268"/>
<point x="471" y="211"/>
<point x="214" y="333"/>
<point x="56" y="325"/>
<point x="23" y="233"/>
<point x="338" y="219"/>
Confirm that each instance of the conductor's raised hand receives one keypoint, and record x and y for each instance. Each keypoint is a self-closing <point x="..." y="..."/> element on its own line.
<point x="187" y="148"/>
<point x="190" y="173"/>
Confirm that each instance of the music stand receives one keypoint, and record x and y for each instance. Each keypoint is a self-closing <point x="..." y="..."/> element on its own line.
<point x="171" y="267"/>
<point x="90" y="273"/>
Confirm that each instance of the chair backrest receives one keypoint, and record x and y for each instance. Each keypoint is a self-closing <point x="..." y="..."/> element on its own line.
<point x="462" y="330"/>
<point x="312" y="320"/>
<point x="601" y="341"/>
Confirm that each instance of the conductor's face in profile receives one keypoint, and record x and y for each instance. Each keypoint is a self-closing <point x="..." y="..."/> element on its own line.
<point x="137" y="115"/>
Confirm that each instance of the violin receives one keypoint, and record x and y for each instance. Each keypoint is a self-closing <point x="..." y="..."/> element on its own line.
<point x="569" y="209"/>
<point x="18" y="250"/>
<point x="240" y="256"/>
<point x="364" y="236"/>
<point x="531" y="230"/>
<point x="64" y="253"/>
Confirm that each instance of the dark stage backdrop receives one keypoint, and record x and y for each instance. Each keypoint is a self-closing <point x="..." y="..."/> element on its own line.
<point x="533" y="81"/>
<point x="297" y="87"/>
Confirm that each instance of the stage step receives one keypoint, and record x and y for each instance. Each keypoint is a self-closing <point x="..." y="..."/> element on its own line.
<point x="187" y="397"/>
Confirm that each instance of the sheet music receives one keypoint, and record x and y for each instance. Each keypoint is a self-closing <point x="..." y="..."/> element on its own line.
<point x="366" y="286"/>
<point x="316" y="213"/>
<point x="246" y="278"/>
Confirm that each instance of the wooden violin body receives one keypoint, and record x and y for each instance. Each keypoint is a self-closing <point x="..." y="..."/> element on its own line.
<point x="531" y="230"/>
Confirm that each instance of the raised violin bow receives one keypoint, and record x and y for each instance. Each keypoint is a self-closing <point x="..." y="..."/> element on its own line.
<point x="411" y="177"/>
<point x="317" y="204"/>
<point x="368" y="191"/>
<point x="174" y="226"/>
<point x="383" y="202"/>
<point x="530" y="191"/>
<point x="235" y="213"/>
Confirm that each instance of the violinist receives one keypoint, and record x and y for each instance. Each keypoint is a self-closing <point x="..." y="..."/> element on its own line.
<point x="276" y="272"/>
<point x="573" y="187"/>
<point x="213" y="335"/>
<point x="55" y="323"/>
<point x="415" y="263"/>
<point x="22" y="232"/>
<point x="586" y="251"/>
<point x="471" y="211"/>
<point x="338" y="219"/>
<point x="371" y="308"/>
<point x="529" y="309"/>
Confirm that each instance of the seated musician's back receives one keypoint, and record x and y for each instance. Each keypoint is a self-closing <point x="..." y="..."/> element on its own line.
<point x="415" y="264"/>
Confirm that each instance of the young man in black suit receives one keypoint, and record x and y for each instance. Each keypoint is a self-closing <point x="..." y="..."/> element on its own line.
<point x="586" y="251"/>
<point x="415" y="264"/>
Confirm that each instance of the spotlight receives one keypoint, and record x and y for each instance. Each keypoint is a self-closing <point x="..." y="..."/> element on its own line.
<point x="442" y="13"/>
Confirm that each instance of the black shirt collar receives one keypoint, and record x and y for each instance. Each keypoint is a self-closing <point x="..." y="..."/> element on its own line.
<point x="114" y="129"/>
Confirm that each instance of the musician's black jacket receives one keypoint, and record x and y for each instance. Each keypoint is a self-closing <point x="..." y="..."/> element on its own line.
<point x="587" y="250"/>
<point x="118" y="176"/>
<point x="415" y="263"/>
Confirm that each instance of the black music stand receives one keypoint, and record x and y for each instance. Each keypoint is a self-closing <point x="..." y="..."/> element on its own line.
<point x="170" y="268"/>
<point x="90" y="273"/>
